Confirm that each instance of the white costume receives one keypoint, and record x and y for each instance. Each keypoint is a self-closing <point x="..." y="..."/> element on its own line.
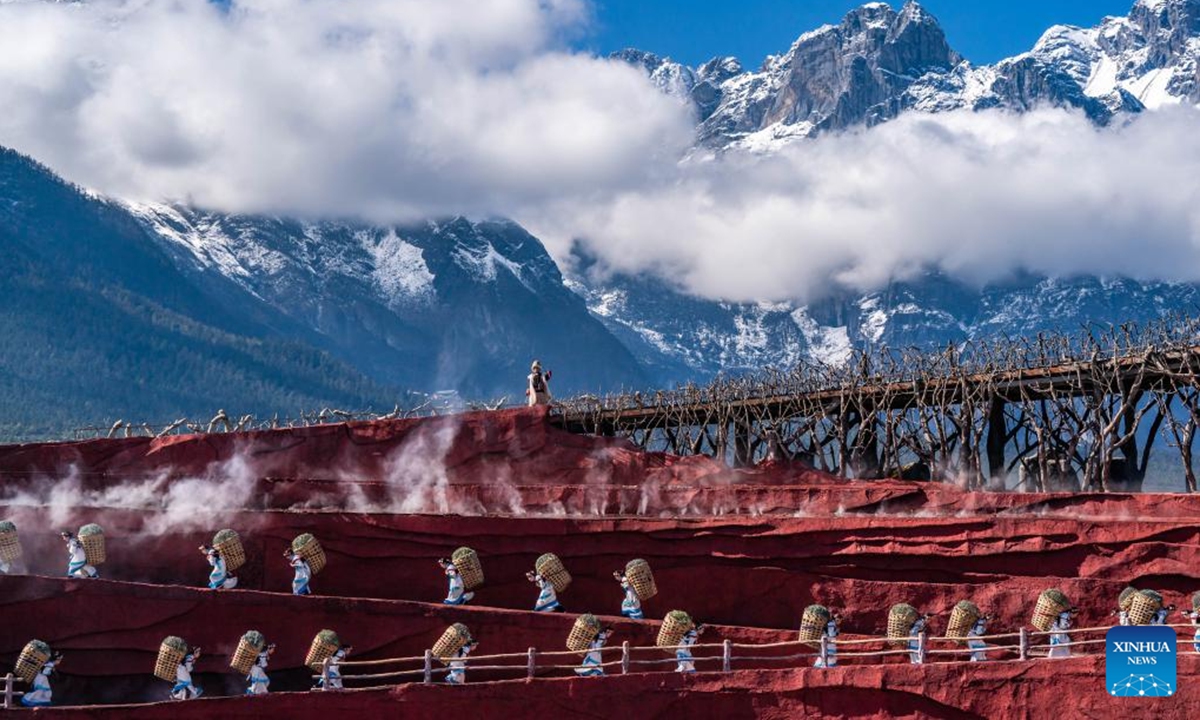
<point x="914" y="646"/>
<point x="1160" y="617"/>
<point x="591" y="665"/>
<point x="219" y="579"/>
<point x="685" y="663"/>
<point x="40" y="695"/>
<point x="1123" y="617"/>
<point x="335" y="673"/>
<point x="831" y="632"/>
<point x="1059" y="636"/>
<point x="456" y="595"/>
<point x="458" y="667"/>
<point x="77" y="566"/>
<point x="259" y="682"/>
<point x="538" y="391"/>
<point x="631" y="606"/>
<point x="302" y="576"/>
<point x="4" y="567"/>
<point x="184" y="689"/>
<point x="547" y="600"/>
<point x="979" y="629"/>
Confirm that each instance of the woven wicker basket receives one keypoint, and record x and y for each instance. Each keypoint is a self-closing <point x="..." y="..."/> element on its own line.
<point x="324" y="645"/>
<point x="307" y="547"/>
<point x="1049" y="605"/>
<point x="468" y="566"/>
<point x="451" y="641"/>
<point x="551" y="568"/>
<point x="901" y="619"/>
<point x="92" y="537"/>
<point x="639" y="576"/>
<point x="1126" y="597"/>
<point x="962" y="619"/>
<point x="675" y="625"/>
<point x="812" y="624"/>
<point x="170" y="654"/>
<point x="583" y="632"/>
<point x="1143" y="606"/>
<point x="10" y="543"/>
<point x="31" y="660"/>
<point x="248" y="648"/>
<point x="229" y="544"/>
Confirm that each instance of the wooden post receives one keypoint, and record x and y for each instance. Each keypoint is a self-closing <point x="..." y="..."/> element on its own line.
<point x="922" y="647"/>
<point x="727" y="656"/>
<point x="325" y="673"/>
<point x="625" y="658"/>
<point x="824" y="651"/>
<point x="1024" y="651"/>
<point x="428" y="667"/>
<point x="8" y="691"/>
<point x="531" y="668"/>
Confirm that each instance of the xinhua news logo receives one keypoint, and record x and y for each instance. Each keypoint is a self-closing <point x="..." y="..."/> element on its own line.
<point x="1140" y="661"/>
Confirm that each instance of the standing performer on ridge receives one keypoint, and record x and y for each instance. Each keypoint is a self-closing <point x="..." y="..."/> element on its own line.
<point x="77" y="566"/>
<point x="538" y="391"/>
<point x="218" y="579"/>
<point x="1160" y="617"/>
<point x="1059" y="637"/>
<point x="456" y="595"/>
<point x="914" y="645"/>
<point x="458" y="666"/>
<point x="547" y="600"/>
<point x="335" y="672"/>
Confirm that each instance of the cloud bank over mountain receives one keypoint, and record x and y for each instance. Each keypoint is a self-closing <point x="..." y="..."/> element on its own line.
<point x="395" y="110"/>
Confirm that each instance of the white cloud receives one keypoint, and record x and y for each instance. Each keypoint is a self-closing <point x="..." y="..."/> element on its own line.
<point x="398" y="109"/>
<point x="977" y="195"/>
<point x="386" y="108"/>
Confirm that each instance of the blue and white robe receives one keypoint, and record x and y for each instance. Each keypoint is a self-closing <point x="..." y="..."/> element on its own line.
<point x="631" y="606"/>
<point x="979" y="629"/>
<point x="831" y="631"/>
<point x="303" y="575"/>
<point x="184" y="689"/>
<point x="1123" y="617"/>
<point x="77" y="566"/>
<point x="219" y="579"/>
<point x="4" y="567"/>
<point x="591" y="665"/>
<point x="1059" y="637"/>
<point x="335" y="672"/>
<point x="914" y="645"/>
<point x="458" y="667"/>
<point x="1160" y="617"/>
<point x="547" y="600"/>
<point x="259" y="682"/>
<point x="40" y="695"/>
<point x="685" y="663"/>
<point x="456" y="594"/>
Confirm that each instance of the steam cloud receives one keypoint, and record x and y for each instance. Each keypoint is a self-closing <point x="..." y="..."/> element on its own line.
<point x="401" y="109"/>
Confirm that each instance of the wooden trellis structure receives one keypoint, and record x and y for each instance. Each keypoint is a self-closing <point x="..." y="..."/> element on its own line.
<point x="1063" y="412"/>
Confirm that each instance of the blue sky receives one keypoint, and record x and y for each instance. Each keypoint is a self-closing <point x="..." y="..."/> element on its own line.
<point x="692" y="31"/>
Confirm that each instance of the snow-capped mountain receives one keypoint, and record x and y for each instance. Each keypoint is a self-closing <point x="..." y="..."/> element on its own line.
<point x="440" y="305"/>
<point x="879" y="62"/>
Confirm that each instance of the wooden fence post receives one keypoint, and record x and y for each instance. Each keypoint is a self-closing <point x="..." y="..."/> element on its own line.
<point x="428" y="667"/>
<point x="531" y="668"/>
<point x="1024" y="644"/>
<point x="8" y="691"/>
<point x="824" y="651"/>
<point x="726" y="656"/>
<point x="625" y="658"/>
<point x="325" y="673"/>
<point x="922" y="645"/>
